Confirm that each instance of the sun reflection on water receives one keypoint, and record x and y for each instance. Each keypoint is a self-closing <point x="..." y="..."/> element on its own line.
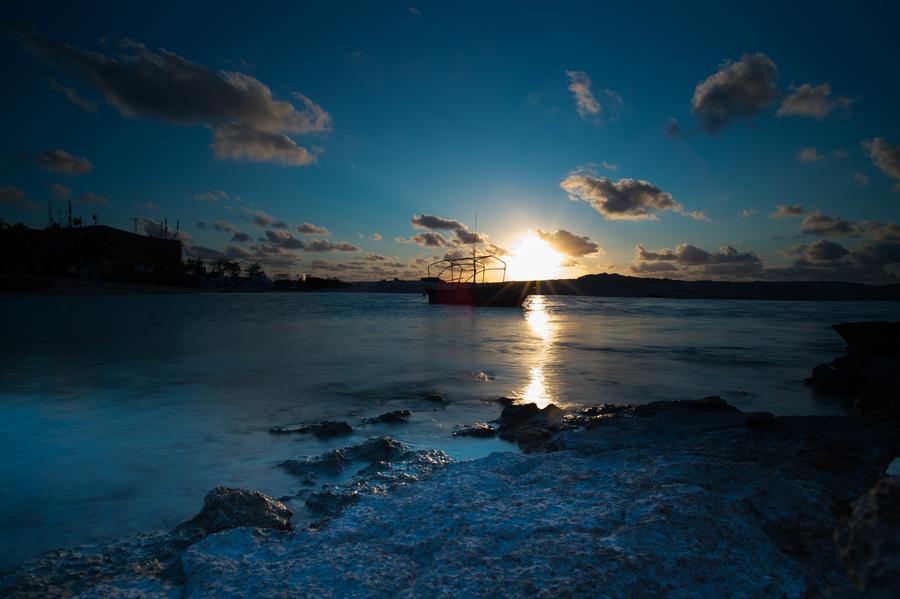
<point x="538" y="318"/>
<point x="536" y="391"/>
<point x="540" y="321"/>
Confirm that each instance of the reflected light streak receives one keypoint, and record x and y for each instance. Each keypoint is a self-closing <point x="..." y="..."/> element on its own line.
<point x="542" y="325"/>
<point x="538" y="318"/>
<point x="536" y="391"/>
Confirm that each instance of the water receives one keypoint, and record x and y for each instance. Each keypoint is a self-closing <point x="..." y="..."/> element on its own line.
<point x="119" y="412"/>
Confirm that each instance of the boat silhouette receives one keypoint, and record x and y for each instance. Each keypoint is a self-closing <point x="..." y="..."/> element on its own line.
<point x="456" y="281"/>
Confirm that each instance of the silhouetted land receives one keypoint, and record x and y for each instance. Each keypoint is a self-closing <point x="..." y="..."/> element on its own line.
<point x="612" y="285"/>
<point x="79" y="258"/>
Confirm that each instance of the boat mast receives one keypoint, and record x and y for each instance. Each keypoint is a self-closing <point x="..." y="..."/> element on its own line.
<point x="474" y="243"/>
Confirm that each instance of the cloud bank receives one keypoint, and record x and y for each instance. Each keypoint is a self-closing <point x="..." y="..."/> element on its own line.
<point x="625" y="199"/>
<point x="248" y="123"/>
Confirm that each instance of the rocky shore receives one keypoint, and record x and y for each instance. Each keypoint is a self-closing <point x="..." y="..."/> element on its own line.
<point x="684" y="499"/>
<point x="868" y="374"/>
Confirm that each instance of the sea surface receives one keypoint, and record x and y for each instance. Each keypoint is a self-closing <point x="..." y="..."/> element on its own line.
<point x="119" y="412"/>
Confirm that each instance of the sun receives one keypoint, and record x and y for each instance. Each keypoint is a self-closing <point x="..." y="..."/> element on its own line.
<point x="533" y="259"/>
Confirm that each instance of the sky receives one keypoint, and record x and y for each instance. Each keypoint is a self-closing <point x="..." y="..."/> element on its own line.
<point x="363" y="140"/>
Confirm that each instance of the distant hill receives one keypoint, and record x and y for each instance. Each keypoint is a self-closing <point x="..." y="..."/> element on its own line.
<point x="612" y="285"/>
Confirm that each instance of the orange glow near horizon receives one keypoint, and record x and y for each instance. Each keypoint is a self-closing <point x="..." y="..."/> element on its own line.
<point x="533" y="259"/>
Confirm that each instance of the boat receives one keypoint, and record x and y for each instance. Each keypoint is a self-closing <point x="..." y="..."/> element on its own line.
<point x="456" y="281"/>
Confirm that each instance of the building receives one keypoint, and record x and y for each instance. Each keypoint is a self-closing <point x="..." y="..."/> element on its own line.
<point x="97" y="250"/>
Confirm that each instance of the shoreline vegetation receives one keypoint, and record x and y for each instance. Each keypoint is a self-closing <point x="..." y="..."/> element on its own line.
<point x="675" y="498"/>
<point x="597" y="285"/>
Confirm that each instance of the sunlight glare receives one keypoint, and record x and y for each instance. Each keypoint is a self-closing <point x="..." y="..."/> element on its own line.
<point x="536" y="391"/>
<point x="538" y="318"/>
<point x="533" y="259"/>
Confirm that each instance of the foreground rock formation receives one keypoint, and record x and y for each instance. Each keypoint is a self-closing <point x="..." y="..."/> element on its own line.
<point x="869" y="541"/>
<point x="869" y="373"/>
<point x="680" y="499"/>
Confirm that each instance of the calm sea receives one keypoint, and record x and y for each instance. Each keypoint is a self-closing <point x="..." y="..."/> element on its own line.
<point x="119" y="412"/>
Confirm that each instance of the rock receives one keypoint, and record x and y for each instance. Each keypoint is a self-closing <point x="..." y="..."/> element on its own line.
<point x="479" y="429"/>
<point x="763" y="422"/>
<point x="225" y="508"/>
<point x="324" y="430"/>
<point x="711" y="403"/>
<point x="683" y="502"/>
<point x="376" y="449"/>
<point x="331" y="429"/>
<point x="840" y="381"/>
<point x="686" y="500"/>
<point x="147" y="564"/>
<point x="869" y="541"/>
<point x="374" y="469"/>
<point x="433" y="397"/>
<point x="329" y="502"/>
<point x="594" y="416"/>
<point x="529" y="425"/>
<point x="869" y="374"/>
<point x="395" y="417"/>
<point x="332" y="462"/>
<point x="378" y="477"/>
<point x="867" y="338"/>
<point x="518" y="413"/>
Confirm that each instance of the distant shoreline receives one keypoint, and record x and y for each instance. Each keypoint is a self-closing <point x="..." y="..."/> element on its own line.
<point x="599" y="285"/>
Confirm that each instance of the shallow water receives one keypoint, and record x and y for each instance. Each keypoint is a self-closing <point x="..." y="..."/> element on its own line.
<point x="119" y="412"/>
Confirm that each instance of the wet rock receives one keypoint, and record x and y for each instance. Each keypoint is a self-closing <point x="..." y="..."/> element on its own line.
<point x="225" y="508"/>
<point x="374" y="469"/>
<point x="869" y="373"/>
<point x="594" y="416"/>
<point x="324" y="430"/>
<point x="384" y="449"/>
<point x="528" y="425"/>
<point x="435" y="397"/>
<point x="391" y="464"/>
<point x="480" y="430"/>
<point x="874" y="337"/>
<point x="683" y="500"/>
<point x="711" y="403"/>
<point x="869" y="541"/>
<point x="330" y="502"/>
<point x="376" y="449"/>
<point x="395" y="417"/>
<point x="332" y="462"/>
<point x="143" y="565"/>
<point x="686" y="501"/>
<point x="378" y="477"/>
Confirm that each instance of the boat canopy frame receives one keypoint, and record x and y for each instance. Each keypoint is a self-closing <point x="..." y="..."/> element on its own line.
<point x="467" y="270"/>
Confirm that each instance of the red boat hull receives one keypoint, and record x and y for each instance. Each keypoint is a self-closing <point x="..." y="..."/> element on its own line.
<point x="500" y="295"/>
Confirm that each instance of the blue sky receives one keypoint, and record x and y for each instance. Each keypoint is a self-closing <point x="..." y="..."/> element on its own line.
<point x="453" y="109"/>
